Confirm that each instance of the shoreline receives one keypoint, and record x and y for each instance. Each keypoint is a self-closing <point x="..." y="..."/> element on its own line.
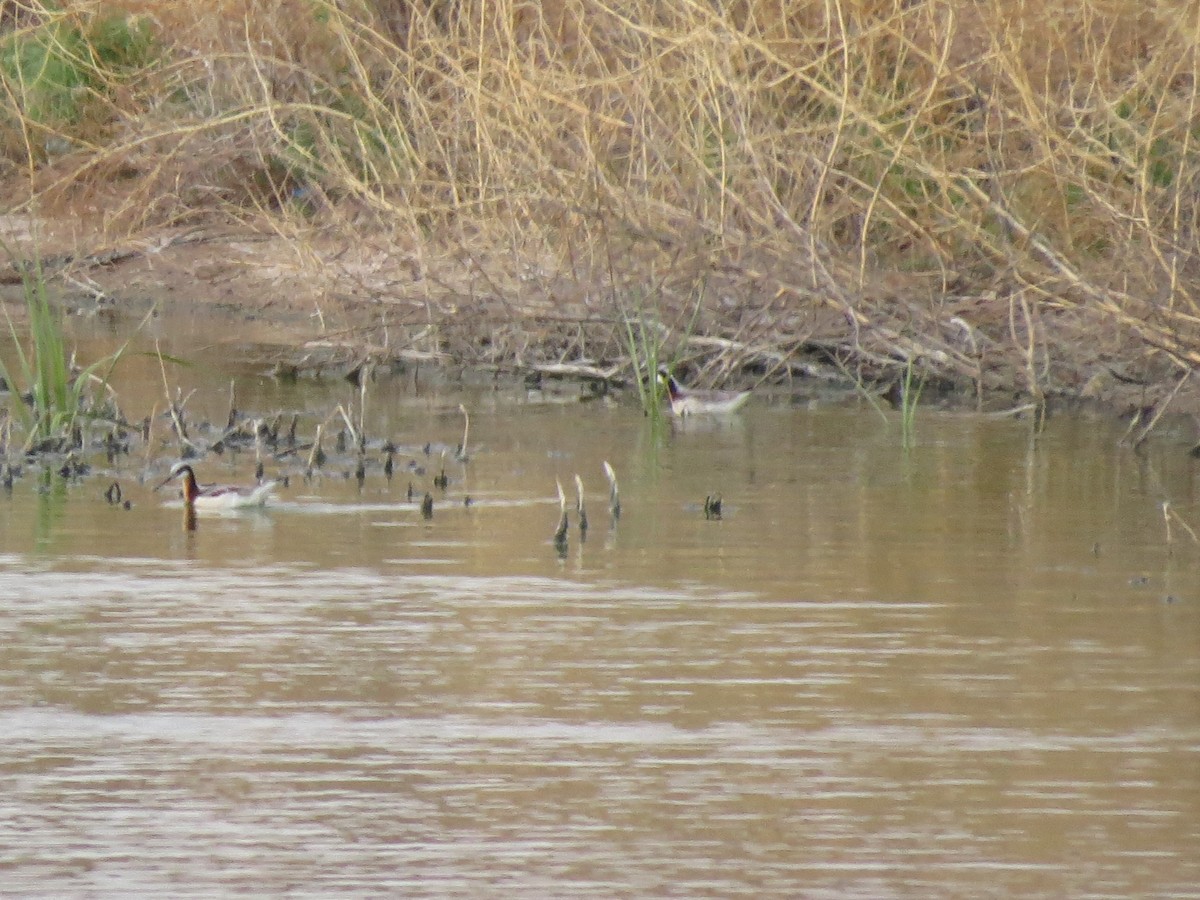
<point x="334" y="306"/>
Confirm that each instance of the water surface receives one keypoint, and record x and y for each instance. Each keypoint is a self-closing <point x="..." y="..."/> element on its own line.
<point x="968" y="670"/>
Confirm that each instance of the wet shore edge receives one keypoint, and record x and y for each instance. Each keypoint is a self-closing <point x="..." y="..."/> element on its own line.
<point x="333" y="315"/>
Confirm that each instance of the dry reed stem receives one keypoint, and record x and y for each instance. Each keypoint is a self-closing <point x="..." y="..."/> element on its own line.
<point x="1168" y="515"/>
<point x="831" y="162"/>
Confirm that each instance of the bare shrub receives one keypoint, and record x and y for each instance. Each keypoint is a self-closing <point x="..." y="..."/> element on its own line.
<point x="891" y="176"/>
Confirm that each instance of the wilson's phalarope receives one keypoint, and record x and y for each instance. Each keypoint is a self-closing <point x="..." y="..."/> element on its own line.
<point x="691" y="402"/>
<point x="218" y="496"/>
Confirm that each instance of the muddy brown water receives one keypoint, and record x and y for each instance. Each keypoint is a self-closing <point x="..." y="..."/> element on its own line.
<point x="969" y="670"/>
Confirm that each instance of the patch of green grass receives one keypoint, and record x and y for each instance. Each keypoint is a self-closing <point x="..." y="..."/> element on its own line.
<point x="57" y="69"/>
<point x="45" y="65"/>
<point x="1162" y="166"/>
<point x="120" y="43"/>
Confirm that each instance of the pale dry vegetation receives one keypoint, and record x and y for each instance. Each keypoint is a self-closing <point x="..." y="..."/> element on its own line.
<point x="1005" y="193"/>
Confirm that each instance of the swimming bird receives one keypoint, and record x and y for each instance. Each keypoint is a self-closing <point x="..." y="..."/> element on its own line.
<point x="691" y="401"/>
<point x="218" y="496"/>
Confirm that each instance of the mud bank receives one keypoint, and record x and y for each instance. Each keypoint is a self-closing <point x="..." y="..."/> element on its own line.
<point x="328" y="307"/>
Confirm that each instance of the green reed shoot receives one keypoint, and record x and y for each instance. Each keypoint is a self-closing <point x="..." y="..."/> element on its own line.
<point x="644" y="343"/>
<point x="910" y="396"/>
<point x="52" y="397"/>
<point x="44" y="368"/>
